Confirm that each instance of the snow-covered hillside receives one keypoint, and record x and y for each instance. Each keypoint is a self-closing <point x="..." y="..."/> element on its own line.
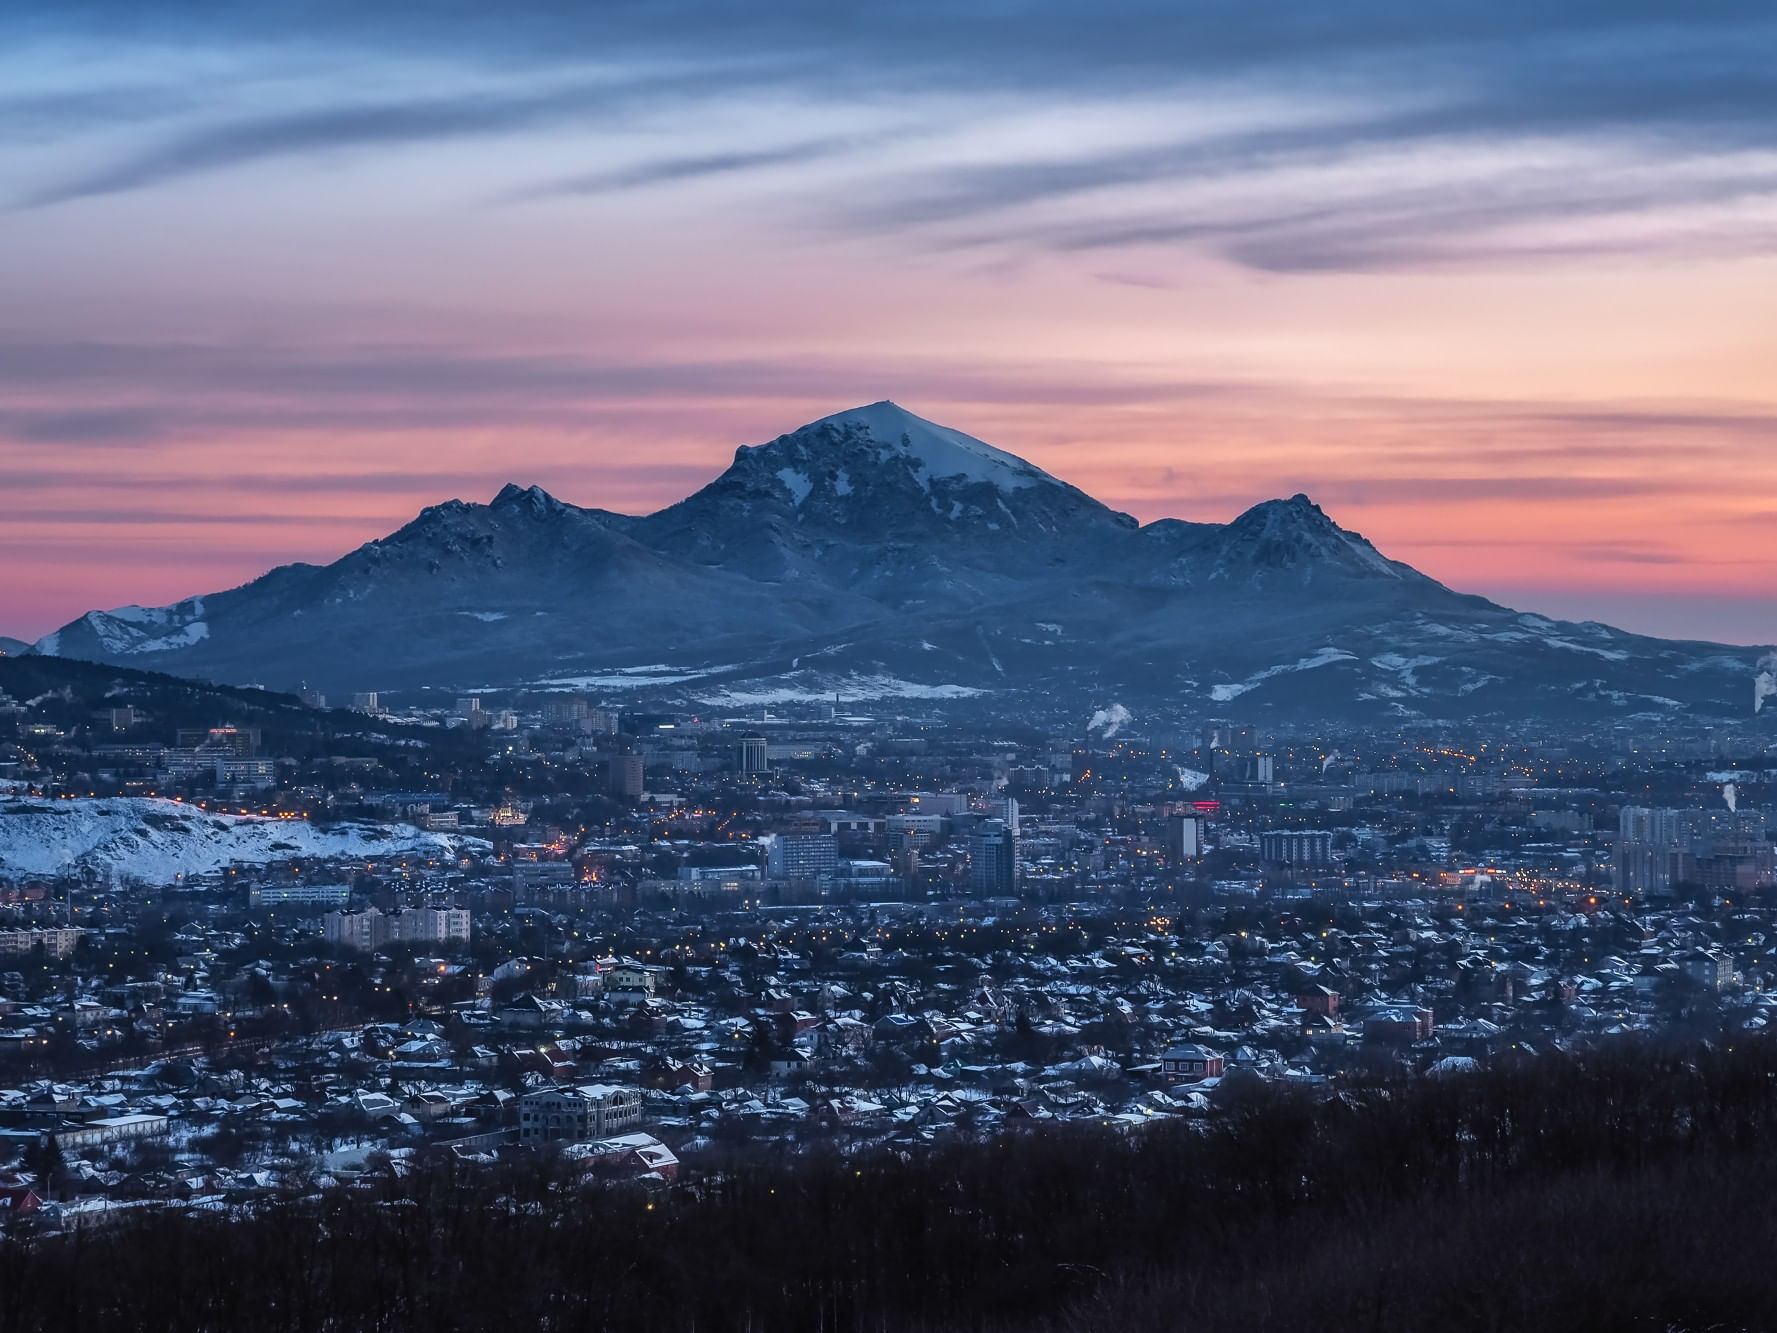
<point x="158" y="841"/>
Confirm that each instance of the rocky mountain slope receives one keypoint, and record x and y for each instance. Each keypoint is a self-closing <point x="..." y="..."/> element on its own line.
<point x="873" y="554"/>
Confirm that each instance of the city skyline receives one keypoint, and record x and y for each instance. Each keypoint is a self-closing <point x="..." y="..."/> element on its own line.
<point x="1491" y="285"/>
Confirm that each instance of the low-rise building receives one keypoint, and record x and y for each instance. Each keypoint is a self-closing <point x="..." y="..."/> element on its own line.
<point x="576" y="1115"/>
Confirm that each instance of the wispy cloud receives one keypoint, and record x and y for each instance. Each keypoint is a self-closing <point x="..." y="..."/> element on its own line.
<point x="1349" y="84"/>
<point x="136" y="388"/>
<point x="365" y="124"/>
<point x="1326" y="196"/>
<point x="47" y="116"/>
<point x="676" y="170"/>
<point x="119" y="426"/>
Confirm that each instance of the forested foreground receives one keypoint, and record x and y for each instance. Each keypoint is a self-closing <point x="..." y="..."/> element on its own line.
<point x="1621" y="1190"/>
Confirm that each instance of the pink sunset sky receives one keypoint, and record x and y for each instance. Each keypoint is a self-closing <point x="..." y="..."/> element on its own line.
<point x="1496" y="287"/>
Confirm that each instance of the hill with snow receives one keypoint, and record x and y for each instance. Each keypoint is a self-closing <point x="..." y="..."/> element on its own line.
<point x="160" y="842"/>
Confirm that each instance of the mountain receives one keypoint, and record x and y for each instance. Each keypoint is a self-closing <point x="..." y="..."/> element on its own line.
<point x="12" y="647"/>
<point x="879" y="503"/>
<point x="448" y="598"/>
<point x="873" y="554"/>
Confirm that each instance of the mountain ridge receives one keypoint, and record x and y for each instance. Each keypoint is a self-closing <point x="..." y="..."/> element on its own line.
<point x="874" y="553"/>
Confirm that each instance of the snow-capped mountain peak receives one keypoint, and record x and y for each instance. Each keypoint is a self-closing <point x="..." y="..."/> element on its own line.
<point x="936" y="451"/>
<point x="902" y="503"/>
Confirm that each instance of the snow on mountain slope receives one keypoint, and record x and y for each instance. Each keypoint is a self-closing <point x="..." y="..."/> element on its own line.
<point x="126" y="630"/>
<point x="158" y="841"/>
<point x="901" y="556"/>
<point x="937" y="451"/>
<point x="1324" y="657"/>
<point x="881" y="510"/>
<point x="462" y="590"/>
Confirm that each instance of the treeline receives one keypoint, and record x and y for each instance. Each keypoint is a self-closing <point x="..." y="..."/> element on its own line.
<point x="69" y="691"/>
<point x="1616" y="1190"/>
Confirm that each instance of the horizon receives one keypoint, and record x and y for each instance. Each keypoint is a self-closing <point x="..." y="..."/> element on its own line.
<point x="398" y="522"/>
<point x="1490" y="283"/>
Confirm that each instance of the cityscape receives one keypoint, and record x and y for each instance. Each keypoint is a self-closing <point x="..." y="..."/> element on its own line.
<point x="681" y="667"/>
<point x="245" y="959"/>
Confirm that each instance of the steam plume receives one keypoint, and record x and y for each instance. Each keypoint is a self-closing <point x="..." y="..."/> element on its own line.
<point x="1764" y="684"/>
<point x="1109" y="721"/>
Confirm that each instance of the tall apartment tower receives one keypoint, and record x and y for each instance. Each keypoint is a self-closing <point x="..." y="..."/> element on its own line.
<point x="1184" y="838"/>
<point x="623" y="776"/>
<point x="993" y="858"/>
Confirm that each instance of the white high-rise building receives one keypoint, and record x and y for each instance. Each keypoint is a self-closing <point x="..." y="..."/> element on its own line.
<point x="1184" y="837"/>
